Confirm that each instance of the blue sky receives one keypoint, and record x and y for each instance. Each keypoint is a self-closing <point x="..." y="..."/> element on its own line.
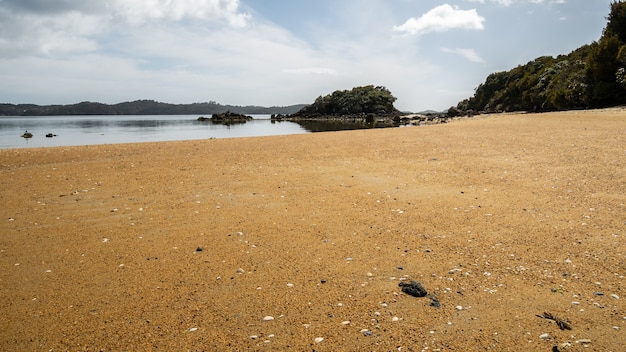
<point x="430" y="54"/>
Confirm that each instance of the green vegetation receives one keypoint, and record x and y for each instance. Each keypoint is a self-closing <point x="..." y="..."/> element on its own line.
<point x="358" y="100"/>
<point x="591" y="76"/>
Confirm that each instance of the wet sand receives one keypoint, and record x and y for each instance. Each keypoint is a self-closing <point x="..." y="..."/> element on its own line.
<point x="299" y="242"/>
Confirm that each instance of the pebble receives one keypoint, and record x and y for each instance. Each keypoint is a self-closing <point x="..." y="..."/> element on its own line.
<point x="395" y="319"/>
<point x="458" y="307"/>
<point x="289" y="285"/>
<point x="584" y="341"/>
<point x="565" y="345"/>
<point x="193" y="329"/>
<point x="615" y="296"/>
<point x="268" y="318"/>
<point x="544" y="336"/>
<point x="254" y="337"/>
<point x="240" y="271"/>
<point x="345" y="322"/>
<point x="319" y="339"/>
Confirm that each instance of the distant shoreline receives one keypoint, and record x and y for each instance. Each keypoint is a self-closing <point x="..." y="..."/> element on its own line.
<point x="141" y="107"/>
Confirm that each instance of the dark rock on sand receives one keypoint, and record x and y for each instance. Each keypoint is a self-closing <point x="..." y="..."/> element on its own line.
<point x="434" y="302"/>
<point x="413" y="288"/>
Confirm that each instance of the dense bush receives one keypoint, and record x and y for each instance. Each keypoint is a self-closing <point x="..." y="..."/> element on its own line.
<point x="358" y="100"/>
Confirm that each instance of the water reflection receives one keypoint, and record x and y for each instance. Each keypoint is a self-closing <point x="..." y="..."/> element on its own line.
<point x="336" y="125"/>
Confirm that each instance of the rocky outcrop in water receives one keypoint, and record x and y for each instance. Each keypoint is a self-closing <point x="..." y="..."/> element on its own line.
<point x="226" y="118"/>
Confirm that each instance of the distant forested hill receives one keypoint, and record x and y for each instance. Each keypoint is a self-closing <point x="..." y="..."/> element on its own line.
<point x="140" y="107"/>
<point x="591" y="76"/>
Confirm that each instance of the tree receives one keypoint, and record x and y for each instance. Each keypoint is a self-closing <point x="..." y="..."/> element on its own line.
<point x="602" y="71"/>
<point x="617" y="21"/>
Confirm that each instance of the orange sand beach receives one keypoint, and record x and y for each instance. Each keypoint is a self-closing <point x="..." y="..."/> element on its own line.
<point x="300" y="242"/>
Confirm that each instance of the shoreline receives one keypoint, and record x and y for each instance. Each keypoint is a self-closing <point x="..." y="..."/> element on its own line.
<point x="193" y="245"/>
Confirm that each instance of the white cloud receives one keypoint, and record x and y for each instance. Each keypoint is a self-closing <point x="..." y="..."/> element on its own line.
<point x="311" y="71"/>
<point x="442" y="18"/>
<point x="469" y="54"/>
<point x="24" y="33"/>
<point x="37" y="27"/>
<point x="140" y="11"/>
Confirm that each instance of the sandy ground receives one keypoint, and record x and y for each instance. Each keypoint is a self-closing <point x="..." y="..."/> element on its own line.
<point x="299" y="242"/>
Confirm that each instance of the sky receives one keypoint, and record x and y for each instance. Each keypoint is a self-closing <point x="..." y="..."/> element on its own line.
<point x="429" y="54"/>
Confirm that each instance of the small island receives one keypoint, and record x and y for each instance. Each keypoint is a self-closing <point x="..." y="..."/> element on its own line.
<point x="361" y="107"/>
<point x="226" y="118"/>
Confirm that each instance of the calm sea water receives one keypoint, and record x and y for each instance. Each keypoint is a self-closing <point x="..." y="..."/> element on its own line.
<point x="88" y="130"/>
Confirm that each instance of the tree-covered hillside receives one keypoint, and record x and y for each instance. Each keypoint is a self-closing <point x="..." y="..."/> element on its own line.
<point x="591" y="76"/>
